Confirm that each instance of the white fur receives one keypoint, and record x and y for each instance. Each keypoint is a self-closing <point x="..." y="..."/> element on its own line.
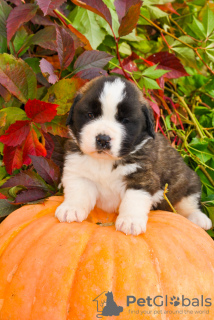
<point x="88" y="181"/>
<point x="188" y="207"/>
<point x="112" y="94"/>
<point x="157" y="197"/>
<point x="133" y="212"/>
<point x="140" y="145"/>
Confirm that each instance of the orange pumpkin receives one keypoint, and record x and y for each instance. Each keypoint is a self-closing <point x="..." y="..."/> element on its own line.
<point x="56" y="271"/>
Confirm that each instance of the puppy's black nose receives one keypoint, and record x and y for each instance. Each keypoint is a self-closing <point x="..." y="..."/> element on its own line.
<point x="103" y="141"/>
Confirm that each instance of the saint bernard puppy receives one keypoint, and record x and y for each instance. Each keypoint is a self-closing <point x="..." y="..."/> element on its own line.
<point x="116" y="161"/>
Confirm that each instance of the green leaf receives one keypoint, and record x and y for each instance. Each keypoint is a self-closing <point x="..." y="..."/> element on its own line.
<point x="156" y="13"/>
<point x="17" y="77"/>
<point x="115" y="23"/>
<point x="154" y="74"/>
<point x="13" y="102"/>
<point x="199" y="2"/>
<point x="3" y="44"/>
<point x="187" y="55"/>
<point x="1" y="148"/>
<point x="168" y="122"/>
<point x="199" y="147"/>
<point x="41" y="92"/>
<point x="85" y="22"/>
<point x="211" y="38"/>
<point x="19" y="39"/>
<point x="145" y="12"/>
<point x="12" y="115"/>
<point x="208" y="20"/>
<point x="125" y="48"/>
<point x="177" y="43"/>
<point x="133" y="37"/>
<point x="209" y="87"/>
<point x="3" y="173"/>
<point x="14" y="191"/>
<point x="198" y="28"/>
<point x="6" y="208"/>
<point x="210" y="54"/>
<point x="4" y="13"/>
<point x="62" y="93"/>
<point x="34" y="64"/>
<point x="149" y="83"/>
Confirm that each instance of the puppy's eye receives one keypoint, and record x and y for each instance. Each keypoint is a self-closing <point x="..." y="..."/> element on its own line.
<point x="90" y="115"/>
<point x="125" y="120"/>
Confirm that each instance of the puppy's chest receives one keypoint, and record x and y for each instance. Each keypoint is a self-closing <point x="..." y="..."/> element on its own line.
<point x="110" y="182"/>
<point x="99" y="171"/>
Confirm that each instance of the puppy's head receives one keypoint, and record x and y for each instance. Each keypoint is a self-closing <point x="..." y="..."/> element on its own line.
<point x="110" y="118"/>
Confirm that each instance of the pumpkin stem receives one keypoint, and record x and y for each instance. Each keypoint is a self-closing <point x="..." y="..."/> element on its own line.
<point x="107" y="224"/>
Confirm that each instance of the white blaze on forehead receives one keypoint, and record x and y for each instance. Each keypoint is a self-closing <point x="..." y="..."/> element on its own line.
<point x="112" y="94"/>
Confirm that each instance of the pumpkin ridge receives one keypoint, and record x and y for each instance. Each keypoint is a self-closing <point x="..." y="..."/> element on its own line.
<point x="196" y="243"/>
<point x="193" y="264"/>
<point x="52" y="231"/>
<point x="96" y="227"/>
<point x="158" y="273"/>
<point x="21" y="227"/>
<point x="53" y="251"/>
<point x="29" y="248"/>
<point x="117" y="267"/>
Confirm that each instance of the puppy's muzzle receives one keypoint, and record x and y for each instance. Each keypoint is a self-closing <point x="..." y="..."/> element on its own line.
<point x="103" y="142"/>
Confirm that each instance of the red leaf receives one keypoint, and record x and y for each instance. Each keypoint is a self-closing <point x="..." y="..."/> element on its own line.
<point x="122" y="7"/>
<point x="40" y="111"/>
<point x="45" y="38"/>
<point x="31" y="194"/>
<point x="47" y="169"/>
<point x="128" y="64"/>
<point x="49" y="144"/>
<point x="168" y="61"/>
<point x="27" y="178"/>
<point x="59" y="150"/>
<point x="47" y="6"/>
<point x="2" y="196"/>
<point x="81" y="37"/>
<point x="44" y="21"/>
<point x="167" y="7"/>
<point x="96" y="6"/>
<point x="65" y="46"/>
<point x="5" y="93"/>
<point x="12" y="158"/>
<point x="91" y="73"/>
<point x="16" y="133"/>
<point x="92" y="59"/>
<point x="155" y="107"/>
<point x="130" y="20"/>
<point x="32" y="147"/>
<point x="57" y="126"/>
<point x="19" y="15"/>
<point x="47" y="68"/>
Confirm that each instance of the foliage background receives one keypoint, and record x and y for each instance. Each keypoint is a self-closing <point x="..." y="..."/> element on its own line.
<point x="49" y="49"/>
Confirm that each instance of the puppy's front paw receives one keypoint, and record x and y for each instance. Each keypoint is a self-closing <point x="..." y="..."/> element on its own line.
<point x="201" y="220"/>
<point x="131" y="225"/>
<point x="68" y="212"/>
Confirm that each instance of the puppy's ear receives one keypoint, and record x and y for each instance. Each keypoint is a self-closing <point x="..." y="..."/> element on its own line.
<point x="150" y="122"/>
<point x="70" y="115"/>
